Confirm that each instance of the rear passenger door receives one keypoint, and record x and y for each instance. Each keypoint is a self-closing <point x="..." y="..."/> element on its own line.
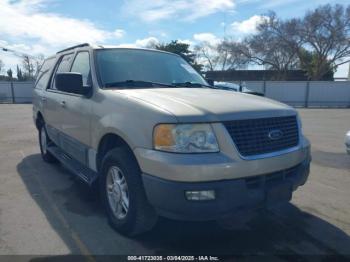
<point x="54" y="111"/>
<point x="42" y="82"/>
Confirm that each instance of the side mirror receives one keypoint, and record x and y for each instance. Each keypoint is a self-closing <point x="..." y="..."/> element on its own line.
<point x="71" y="83"/>
<point x="210" y="81"/>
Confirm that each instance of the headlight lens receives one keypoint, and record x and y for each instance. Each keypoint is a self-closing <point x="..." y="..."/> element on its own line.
<point x="185" y="138"/>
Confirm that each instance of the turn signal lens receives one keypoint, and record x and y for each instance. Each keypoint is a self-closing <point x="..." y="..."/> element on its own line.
<point x="163" y="136"/>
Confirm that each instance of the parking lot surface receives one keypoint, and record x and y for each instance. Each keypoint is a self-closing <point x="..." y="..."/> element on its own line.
<point x="44" y="210"/>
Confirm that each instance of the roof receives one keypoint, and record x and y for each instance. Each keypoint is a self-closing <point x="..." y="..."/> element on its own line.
<point x="112" y="47"/>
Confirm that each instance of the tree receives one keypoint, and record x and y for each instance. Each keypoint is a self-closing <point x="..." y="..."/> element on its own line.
<point x="317" y="42"/>
<point x="273" y="46"/>
<point x="309" y="63"/>
<point x="209" y="54"/>
<point x="232" y="56"/>
<point x="9" y="74"/>
<point x="38" y="62"/>
<point x="31" y="66"/>
<point x="28" y="66"/>
<point x="325" y="32"/>
<point x="20" y="76"/>
<point x="181" y="49"/>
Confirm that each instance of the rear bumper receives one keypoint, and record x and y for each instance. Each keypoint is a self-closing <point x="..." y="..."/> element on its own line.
<point x="168" y="197"/>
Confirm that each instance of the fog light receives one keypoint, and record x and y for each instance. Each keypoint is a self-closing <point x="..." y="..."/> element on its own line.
<point x="200" y="195"/>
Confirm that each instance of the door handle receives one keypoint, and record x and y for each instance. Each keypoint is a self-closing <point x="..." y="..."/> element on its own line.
<point x="63" y="103"/>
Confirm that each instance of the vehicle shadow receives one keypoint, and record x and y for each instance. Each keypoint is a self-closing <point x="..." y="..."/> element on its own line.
<point x="286" y="230"/>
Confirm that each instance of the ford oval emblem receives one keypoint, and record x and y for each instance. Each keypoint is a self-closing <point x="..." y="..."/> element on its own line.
<point x="275" y="134"/>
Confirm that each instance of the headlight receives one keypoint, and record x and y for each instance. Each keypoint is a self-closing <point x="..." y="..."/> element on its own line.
<point x="185" y="138"/>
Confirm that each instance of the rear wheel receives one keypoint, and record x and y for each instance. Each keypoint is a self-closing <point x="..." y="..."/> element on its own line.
<point x="123" y="194"/>
<point x="44" y="142"/>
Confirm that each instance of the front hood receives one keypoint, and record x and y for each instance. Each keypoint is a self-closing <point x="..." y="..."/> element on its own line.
<point x="205" y="104"/>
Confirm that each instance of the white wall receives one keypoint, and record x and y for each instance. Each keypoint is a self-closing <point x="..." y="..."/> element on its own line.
<point x="329" y="94"/>
<point x="294" y="93"/>
<point x="22" y="92"/>
<point x="5" y="92"/>
<point x="303" y="93"/>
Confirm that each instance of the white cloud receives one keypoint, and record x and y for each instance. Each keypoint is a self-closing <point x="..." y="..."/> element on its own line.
<point x="156" y="10"/>
<point x="119" y="33"/>
<point x="186" y="41"/>
<point x="146" y="42"/>
<point x="151" y="41"/>
<point x="28" y="28"/>
<point x="9" y="61"/>
<point x="247" y="26"/>
<point x="142" y="43"/>
<point x="343" y="70"/>
<point x="206" y="37"/>
<point x="26" y="20"/>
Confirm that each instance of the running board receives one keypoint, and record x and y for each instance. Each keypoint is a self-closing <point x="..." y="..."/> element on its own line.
<point x="83" y="172"/>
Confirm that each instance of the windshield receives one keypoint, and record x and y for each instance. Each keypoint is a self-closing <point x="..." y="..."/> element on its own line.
<point x="117" y="66"/>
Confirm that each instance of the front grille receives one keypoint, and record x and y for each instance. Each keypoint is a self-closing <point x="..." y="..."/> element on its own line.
<point x="254" y="136"/>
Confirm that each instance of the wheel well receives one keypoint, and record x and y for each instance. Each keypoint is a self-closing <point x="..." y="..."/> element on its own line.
<point x="107" y="143"/>
<point x="39" y="120"/>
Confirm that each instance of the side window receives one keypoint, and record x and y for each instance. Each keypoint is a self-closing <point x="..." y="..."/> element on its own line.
<point x="62" y="67"/>
<point x="81" y="65"/>
<point x="44" y="74"/>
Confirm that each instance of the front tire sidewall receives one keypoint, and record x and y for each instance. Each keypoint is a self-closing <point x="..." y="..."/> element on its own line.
<point x="141" y="216"/>
<point x="119" y="223"/>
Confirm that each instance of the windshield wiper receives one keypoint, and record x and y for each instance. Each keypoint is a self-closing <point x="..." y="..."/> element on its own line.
<point x="191" y="84"/>
<point x="135" y="84"/>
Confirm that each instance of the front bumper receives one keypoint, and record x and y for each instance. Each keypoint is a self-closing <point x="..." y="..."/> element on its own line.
<point x="224" y="165"/>
<point x="168" y="197"/>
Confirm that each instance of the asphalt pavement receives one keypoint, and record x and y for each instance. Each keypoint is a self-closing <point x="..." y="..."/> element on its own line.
<point x="45" y="211"/>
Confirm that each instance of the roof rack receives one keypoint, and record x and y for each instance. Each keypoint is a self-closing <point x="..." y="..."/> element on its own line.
<point x="73" y="47"/>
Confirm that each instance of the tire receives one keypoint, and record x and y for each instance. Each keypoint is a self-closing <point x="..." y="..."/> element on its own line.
<point x="138" y="216"/>
<point x="44" y="141"/>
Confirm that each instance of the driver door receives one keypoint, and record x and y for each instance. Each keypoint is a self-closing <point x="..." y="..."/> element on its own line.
<point x="77" y="113"/>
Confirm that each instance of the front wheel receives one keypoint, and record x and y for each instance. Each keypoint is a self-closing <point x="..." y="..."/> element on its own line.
<point x="123" y="194"/>
<point x="44" y="141"/>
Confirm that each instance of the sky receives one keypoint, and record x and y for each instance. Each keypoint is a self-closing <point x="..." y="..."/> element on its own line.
<point x="46" y="26"/>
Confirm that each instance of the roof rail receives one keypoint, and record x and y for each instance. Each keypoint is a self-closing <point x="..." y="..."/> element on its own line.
<point x="72" y="47"/>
